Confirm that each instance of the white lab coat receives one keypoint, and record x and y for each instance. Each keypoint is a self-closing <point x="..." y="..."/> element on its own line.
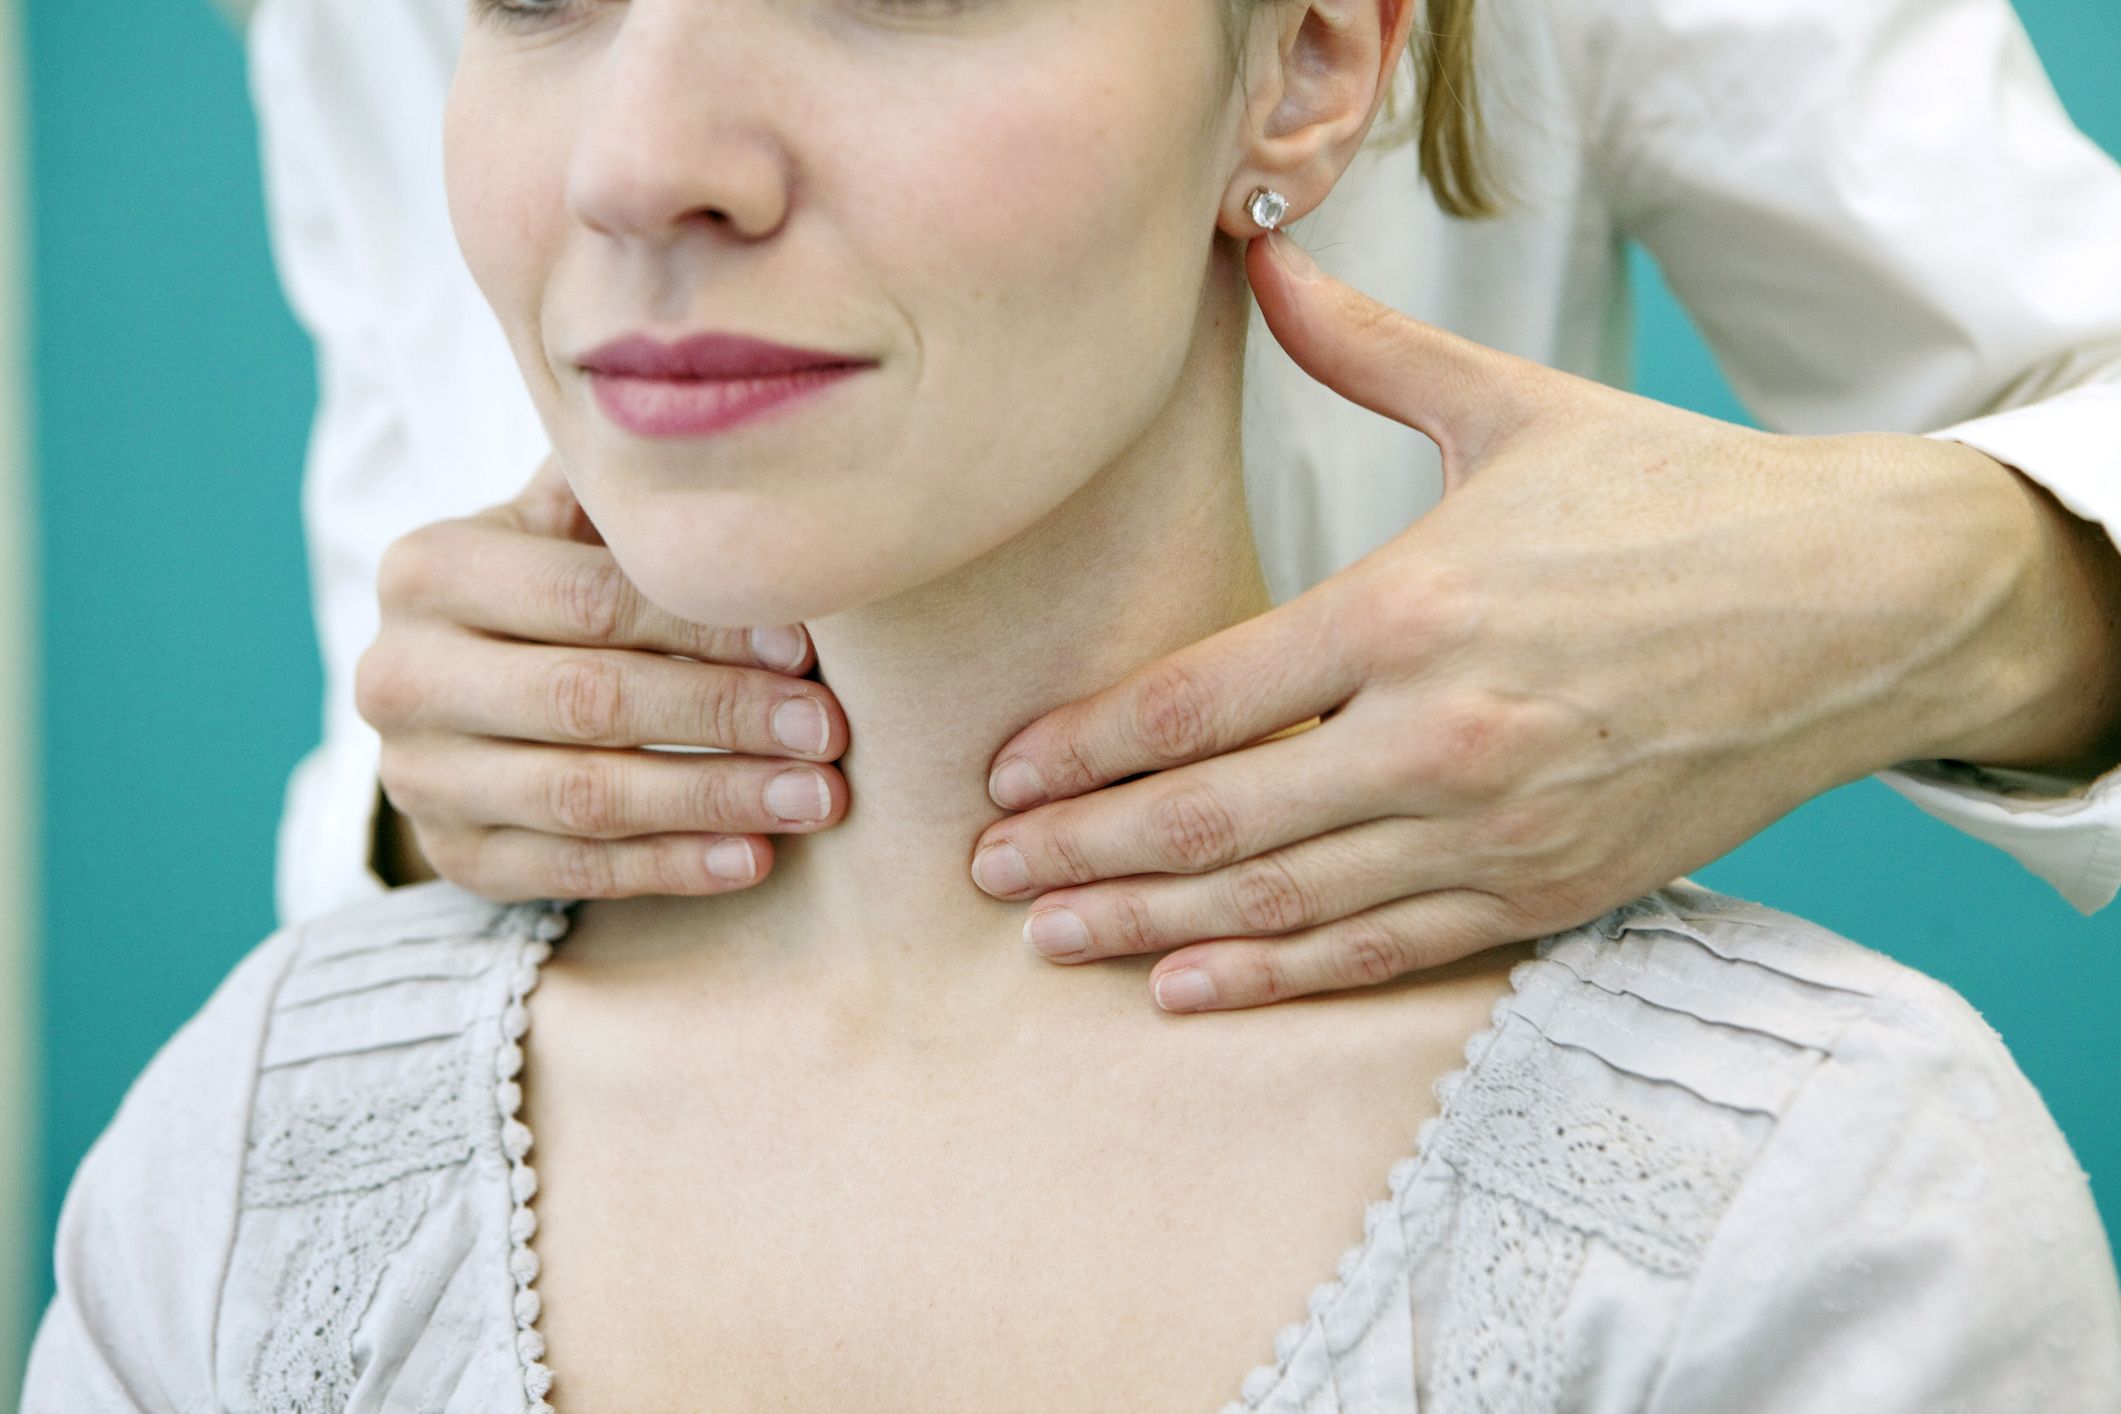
<point x="1876" y="210"/>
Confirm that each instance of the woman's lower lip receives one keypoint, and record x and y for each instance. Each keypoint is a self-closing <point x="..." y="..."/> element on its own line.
<point x="701" y="407"/>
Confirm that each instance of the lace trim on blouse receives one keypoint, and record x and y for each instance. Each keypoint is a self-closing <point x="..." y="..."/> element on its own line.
<point x="1542" y="1170"/>
<point x="1538" y="1171"/>
<point x="547" y="927"/>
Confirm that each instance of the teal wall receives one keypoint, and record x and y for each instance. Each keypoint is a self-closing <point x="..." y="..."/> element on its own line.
<point x="173" y="395"/>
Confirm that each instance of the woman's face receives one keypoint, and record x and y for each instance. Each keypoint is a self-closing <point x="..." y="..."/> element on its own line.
<point x="996" y="216"/>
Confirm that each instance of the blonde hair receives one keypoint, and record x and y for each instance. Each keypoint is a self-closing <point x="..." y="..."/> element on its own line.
<point x="1453" y="144"/>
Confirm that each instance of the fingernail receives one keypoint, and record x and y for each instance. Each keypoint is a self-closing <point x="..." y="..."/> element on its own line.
<point x="1188" y="989"/>
<point x="799" y="795"/>
<point x="732" y="859"/>
<point x="781" y="647"/>
<point x="1293" y="257"/>
<point x="1015" y="785"/>
<point x="1056" y="932"/>
<point x="1000" y="870"/>
<point x="799" y="724"/>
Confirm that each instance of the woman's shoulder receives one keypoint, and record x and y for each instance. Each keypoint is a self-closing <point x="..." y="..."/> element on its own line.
<point x="274" y="1150"/>
<point x="1827" y="1161"/>
<point x="383" y="971"/>
<point x="374" y="1057"/>
<point x="412" y="964"/>
<point x="1744" y="1008"/>
<point x="1732" y="1008"/>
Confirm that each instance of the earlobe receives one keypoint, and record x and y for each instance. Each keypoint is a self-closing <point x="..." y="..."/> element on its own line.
<point x="1255" y="208"/>
<point x="1266" y="207"/>
<point x="1333" y="62"/>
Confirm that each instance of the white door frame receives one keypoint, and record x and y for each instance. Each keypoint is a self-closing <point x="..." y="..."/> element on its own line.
<point x="19" y="1133"/>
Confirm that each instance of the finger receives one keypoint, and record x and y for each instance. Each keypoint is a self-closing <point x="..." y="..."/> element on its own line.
<point x="1361" y="950"/>
<point x="608" y="794"/>
<point x="1306" y="885"/>
<point x="595" y="697"/>
<point x="546" y="507"/>
<point x="473" y="572"/>
<point x="523" y="864"/>
<point x="1231" y="688"/>
<point x="1462" y="395"/>
<point x="1197" y="818"/>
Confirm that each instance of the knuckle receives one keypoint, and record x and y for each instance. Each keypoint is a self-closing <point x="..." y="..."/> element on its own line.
<point x="1129" y="926"/>
<point x="1524" y="830"/>
<point x="591" y="599"/>
<point x="402" y="783"/>
<point x="1269" y="898"/>
<point x="1171" y="714"/>
<point x="583" y="700"/>
<point x="1257" y="976"/>
<point x="380" y="692"/>
<point x="1471" y="744"/>
<point x="674" y="868"/>
<point x="1366" y="954"/>
<point x="1066" y="852"/>
<point x="1434" y="609"/>
<point x="405" y="575"/>
<point x="1194" y="829"/>
<point x="585" y="798"/>
<point x="463" y="858"/>
<point x="583" y="869"/>
<point x="1373" y="322"/>
<point x="723" y="710"/>
<point x="722" y="800"/>
<point x="1066" y="766"/>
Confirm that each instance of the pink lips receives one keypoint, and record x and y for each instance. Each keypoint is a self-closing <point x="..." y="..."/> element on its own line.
<point x="706" y="384"/>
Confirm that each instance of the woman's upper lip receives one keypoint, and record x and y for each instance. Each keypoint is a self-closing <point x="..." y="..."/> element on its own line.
<point x="706" y="356"/>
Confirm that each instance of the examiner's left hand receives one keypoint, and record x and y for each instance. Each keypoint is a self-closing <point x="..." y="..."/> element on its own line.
<point x="1627" y="639"/>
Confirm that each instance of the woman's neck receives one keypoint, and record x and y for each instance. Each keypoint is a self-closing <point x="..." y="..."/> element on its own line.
<point x="1153" y="553"/>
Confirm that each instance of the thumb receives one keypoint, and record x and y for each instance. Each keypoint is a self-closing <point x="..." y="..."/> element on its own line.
<point x="546" y="507"/>
<point x="1463" y="396"/>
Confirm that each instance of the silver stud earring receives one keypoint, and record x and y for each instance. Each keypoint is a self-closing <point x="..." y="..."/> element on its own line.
<point x="1267" y="207"/>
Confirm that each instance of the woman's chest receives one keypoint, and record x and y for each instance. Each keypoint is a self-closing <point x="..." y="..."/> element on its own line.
<point x="1107" y="1229"/>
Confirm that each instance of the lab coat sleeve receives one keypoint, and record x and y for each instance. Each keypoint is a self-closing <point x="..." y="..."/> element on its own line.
<point x="422" y="413"/>
<point x="1881" y="219"/>
<point x="333" y="285"/>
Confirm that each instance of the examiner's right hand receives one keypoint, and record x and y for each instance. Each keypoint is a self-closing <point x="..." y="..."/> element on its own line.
<point x="515" y="678"/>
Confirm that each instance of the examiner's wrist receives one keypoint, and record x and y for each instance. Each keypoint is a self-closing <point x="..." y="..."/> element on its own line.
<point x="2044" y="674"/>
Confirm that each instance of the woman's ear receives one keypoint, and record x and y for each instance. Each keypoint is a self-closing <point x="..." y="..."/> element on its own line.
<point x="1316" y="73"/>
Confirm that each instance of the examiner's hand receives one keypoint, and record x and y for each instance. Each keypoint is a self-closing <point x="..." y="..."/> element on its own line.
<point x="1627" y="639"/>
<point x="516" y="674"/>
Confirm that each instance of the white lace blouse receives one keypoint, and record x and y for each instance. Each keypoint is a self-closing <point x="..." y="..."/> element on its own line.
<point x="1708" y="1156"/>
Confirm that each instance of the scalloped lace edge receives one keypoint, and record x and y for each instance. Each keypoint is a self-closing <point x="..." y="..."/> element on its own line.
<point x="1264" y="1380"/>
<point x="549" y="923"/>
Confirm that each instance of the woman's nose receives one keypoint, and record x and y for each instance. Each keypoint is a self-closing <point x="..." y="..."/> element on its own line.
<point x="679" y="132"/>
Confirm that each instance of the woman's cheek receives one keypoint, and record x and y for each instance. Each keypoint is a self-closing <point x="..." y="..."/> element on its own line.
<point x="505" y="189"/>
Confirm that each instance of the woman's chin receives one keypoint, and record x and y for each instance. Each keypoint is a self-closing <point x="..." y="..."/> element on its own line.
<point x="739" y="596"/>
